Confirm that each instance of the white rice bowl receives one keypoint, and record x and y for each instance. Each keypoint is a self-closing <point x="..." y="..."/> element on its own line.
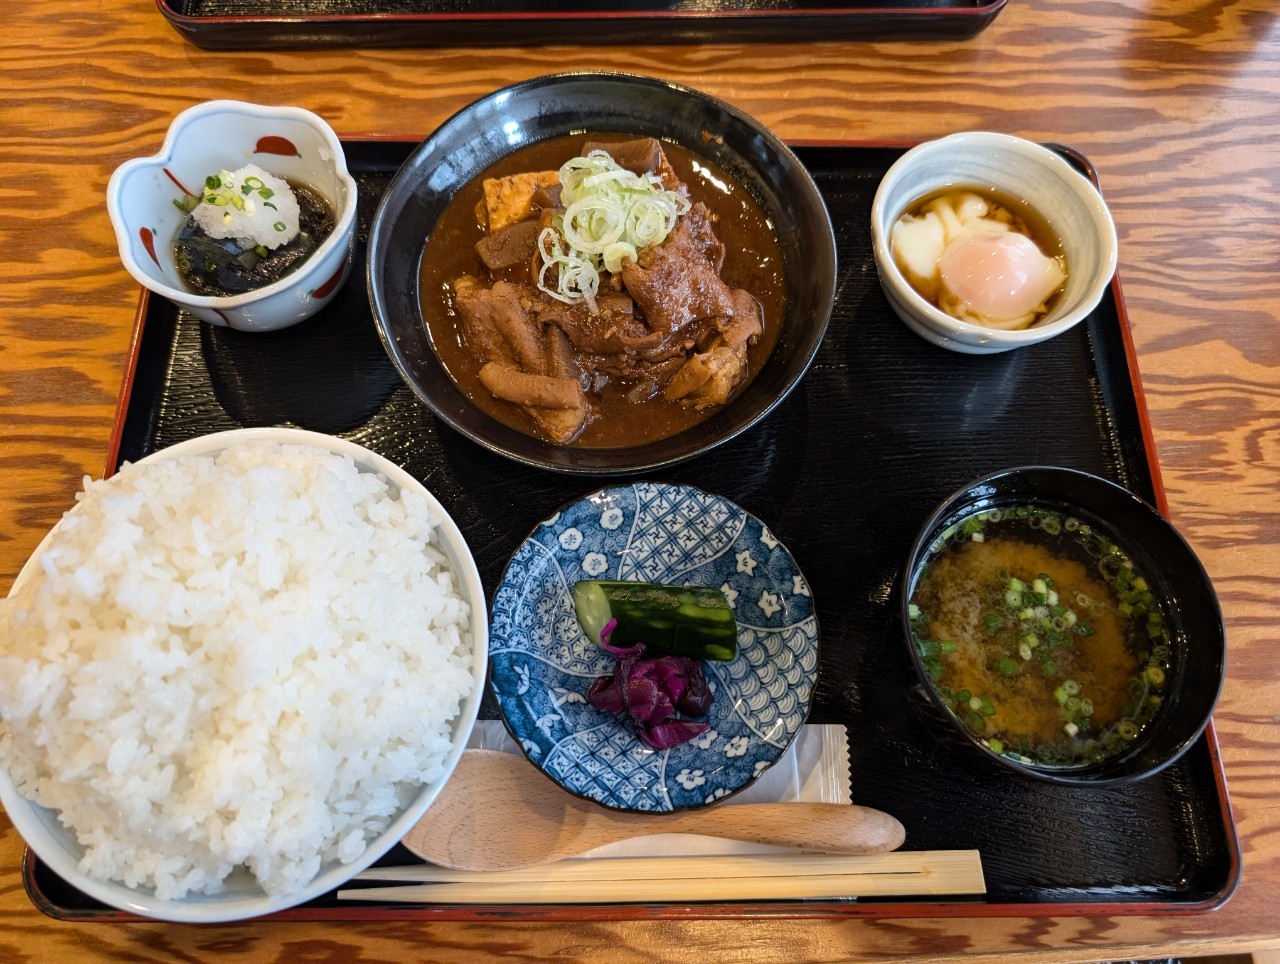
<point x="236" y="674"/>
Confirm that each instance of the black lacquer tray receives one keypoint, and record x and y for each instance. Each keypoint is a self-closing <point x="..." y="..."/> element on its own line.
<point x="844" y="471"/>
<point x="262" y="24"/>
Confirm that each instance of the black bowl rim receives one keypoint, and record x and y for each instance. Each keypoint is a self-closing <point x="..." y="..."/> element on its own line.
<point x="1095" y="775"/>
<point x="516" y="737"/>
<point x="640" y="462"/>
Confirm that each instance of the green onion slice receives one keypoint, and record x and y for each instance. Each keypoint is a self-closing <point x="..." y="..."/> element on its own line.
<point x="611" y="214"/>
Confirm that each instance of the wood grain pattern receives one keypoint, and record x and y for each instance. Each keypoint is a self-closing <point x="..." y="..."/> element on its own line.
<point x="1176" y="103"/>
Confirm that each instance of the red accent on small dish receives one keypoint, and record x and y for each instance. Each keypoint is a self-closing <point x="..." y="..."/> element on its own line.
<point x="274" y="144"/>
<point x="181" y="186"/>
<point x="327" y="288"/>
<point x="149" y="242"/>
<point x="221" y="314"/>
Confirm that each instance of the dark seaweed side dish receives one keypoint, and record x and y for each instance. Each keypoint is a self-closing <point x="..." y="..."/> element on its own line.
<point x="222" y="267"/>
<point x="1040" y="636"/>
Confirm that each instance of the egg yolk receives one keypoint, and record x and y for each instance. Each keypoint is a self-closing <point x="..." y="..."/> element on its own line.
<point x="999" y="276"/>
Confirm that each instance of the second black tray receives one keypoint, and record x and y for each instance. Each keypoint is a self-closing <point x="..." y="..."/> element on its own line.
<point x="844" y="472"/>
<point x="258" y="24"/>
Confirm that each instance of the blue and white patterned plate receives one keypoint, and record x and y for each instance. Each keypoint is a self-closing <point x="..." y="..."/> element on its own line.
<point x="541" y="663"/>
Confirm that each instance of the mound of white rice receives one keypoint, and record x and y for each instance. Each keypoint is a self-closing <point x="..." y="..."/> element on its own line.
<point x="249" y="660"/>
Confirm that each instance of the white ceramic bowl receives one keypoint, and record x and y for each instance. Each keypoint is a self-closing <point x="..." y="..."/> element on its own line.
<point x="286" y="141"/>
<point x="243" y="897"/>
<point x="1044" y="180"/>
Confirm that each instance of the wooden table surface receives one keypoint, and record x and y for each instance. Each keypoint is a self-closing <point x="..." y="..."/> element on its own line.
<point x="1178" y="105"/>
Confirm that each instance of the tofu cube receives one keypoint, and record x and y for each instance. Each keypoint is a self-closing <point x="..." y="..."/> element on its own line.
<point x="507" y="200"/>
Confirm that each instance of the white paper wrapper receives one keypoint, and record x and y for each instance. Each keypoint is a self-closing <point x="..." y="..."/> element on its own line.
<point x="814" y="769"/>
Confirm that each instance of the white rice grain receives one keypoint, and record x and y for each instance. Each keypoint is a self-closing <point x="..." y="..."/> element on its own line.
<point x="250" y="660"/>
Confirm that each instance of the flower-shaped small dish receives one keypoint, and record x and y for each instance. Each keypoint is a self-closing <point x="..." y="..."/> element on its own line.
<point x="541" y="664"/>
<point x="287" y="142"/>
<point x="1033" y="176"/>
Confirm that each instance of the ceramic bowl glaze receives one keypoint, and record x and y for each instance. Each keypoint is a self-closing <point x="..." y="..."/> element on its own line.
<point x="1196" y="663"/>
<point x="1071" y="205"/>
<point x="242" y="897"/>
<point x="546" y="107"/>
<point x="224" y="134"/>
<point x="541" y="663"/>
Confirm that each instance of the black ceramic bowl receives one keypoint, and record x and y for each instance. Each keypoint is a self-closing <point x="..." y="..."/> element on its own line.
<point x="1196" y="663"/>
<point x="561" y="104"/>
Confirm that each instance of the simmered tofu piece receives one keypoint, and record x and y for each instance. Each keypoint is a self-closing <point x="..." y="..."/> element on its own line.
<point x="508" y="200"/>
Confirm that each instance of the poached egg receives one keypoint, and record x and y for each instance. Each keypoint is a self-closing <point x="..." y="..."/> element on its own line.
<point x="966" y="254"/>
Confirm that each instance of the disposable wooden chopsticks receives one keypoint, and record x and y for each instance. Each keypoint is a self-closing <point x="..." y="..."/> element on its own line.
<point x="667" y="879"/>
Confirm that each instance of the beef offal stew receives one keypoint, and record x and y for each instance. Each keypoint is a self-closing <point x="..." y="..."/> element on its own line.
<point x="602" y="291"/>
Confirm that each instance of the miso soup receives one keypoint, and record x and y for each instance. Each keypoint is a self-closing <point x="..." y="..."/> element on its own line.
<point x="1040" y="635"/>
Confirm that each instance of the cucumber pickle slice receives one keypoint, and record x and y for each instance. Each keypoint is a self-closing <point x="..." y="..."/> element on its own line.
<point x="692" y="621"/>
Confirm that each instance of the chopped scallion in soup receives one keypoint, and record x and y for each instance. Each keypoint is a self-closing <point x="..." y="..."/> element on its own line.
<point x="1040" y="635"/>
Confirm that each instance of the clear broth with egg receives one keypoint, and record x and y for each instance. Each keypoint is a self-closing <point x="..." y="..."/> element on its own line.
<point x="1018" y="216"/>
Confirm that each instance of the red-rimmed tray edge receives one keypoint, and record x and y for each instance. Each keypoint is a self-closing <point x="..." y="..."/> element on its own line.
<point x="831" y="22"/>
<point x="988" y="9"/>
<point x="759" y="910"/>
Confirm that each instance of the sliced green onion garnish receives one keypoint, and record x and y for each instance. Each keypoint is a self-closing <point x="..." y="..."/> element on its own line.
<point x="611" y="214"/>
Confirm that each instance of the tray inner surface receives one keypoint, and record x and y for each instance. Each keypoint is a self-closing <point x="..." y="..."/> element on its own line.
<point x="844" y="472"/>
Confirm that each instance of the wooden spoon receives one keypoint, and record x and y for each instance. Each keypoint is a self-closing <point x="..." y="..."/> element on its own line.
<point x="497" y="812"/>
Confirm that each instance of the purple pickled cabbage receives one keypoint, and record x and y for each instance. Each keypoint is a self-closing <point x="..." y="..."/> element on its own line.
<point x="664" y="736"/>
<point x="697" y="698"/>
<point x="650" y="691"/>
<point x="605" y="694"/>
<point x="647" y="699"/>
<point x="635" y="649"/>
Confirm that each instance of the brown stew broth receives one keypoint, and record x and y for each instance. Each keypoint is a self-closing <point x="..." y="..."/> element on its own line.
<point x="753" y="262"/>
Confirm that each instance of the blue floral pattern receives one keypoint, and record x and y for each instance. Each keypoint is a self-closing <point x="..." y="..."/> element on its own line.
<point x="541" y="663"/>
